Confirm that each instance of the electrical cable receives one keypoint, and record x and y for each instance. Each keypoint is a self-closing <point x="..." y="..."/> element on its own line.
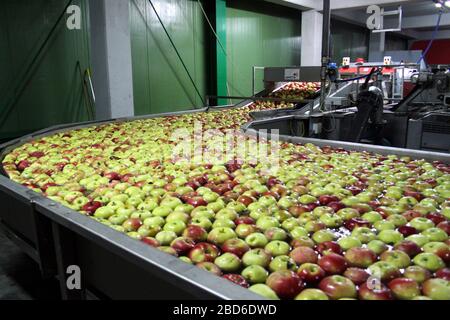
<point x="433" y="37"/>
<point x="177" y="52"/>
<point x="26" y="77"/>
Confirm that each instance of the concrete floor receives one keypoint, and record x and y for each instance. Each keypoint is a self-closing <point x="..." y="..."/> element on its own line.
<point x="20" y="277"/>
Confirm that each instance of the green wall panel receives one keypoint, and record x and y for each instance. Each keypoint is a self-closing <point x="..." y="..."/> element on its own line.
<point x="259" y="35"/>
<point x="53" y="94"/>
<point x="349" y="40"/>
<point x="160" y="82"/>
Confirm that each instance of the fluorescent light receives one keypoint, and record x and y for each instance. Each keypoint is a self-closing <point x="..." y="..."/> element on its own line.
<point x="447" y="4"/>
<point x="438" y="5"/>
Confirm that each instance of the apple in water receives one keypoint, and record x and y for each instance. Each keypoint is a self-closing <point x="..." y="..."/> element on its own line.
<point x="443" y="273"/>
<point x="417" y="273"/>
<point x="277" y="248"/>
<point x="311" y="294"/>
<point x="203" y="252"/>
<point x="244" y="230"/>
<point x="210" y="267"/>
<point x="379" y="291"/>
<point x="384" y="271"/>
<point x="429" y="261"/>
<point x="437" y="289"/>
<point x="255" y="274"/>
<point x="256" y="257"/>
<point x="256" y="240"/>
<point x="408" y="247"/>
<point x="182" y="245"/>
<point x="264" y="291"/>
<point x="236" y="246"/>
<point x="327" y="247"/>
<point x="302" y="255"/>
<point x="360" y="257"/>
<point x="196" y="233"/>
<point x="282" y="263"/>
<point x="287" y="284"/>
<point x="377" y="246"/>
<point x="333" y="263"/>
<point x="404" y="288"/>
<point x="357" y="275"/>
<point x="338" y="287"/>
<point x="218" y="236"/>
<point x="151" y="241"/>
<point x="397" y="258"/>
<point x="311" y="273"/>
<point x="228" y="262"/>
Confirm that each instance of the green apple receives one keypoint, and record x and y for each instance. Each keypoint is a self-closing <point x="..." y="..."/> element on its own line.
<point x="118" y="219"/>
<point x="176" y="226"/>
<point x="187" y="208"/>
<point x="331" y="220"/>
<point x="418" y="239"/>
<point x="311" y="294"/>
<point x="290" y="224"/>
<point x="178" y="215"/>
<point x="307" y="199"/>
<point x="390" y="236"/>
<point x="435" y="234"/>
<point x="383" y="270"/>
<point x="165" y="238"/>
<point x="277" y="248"/>
<point x="372" y="216"/>
<point x="437" y="289"/>
<point x="348" y="213"/>
<point x="282" y="263"/>
<point x="228" y="262"/>
<point x="377" y="246"/>
<point x="421" y="223"/>
<point x="256" y="240"/>
<point x="298" y="232"/>
<point x="104" y="212"/>
<point x="226" y="213"/>
<point x="323" y="236"/>
<point x="162" y="211"/>
<point x="154" y="222"/>
<point x="203" y="222"/>
<point x="148" y="205"/>
<point x="255" y="274"/>
<point x="429" y="261"/>
<point x="264" y="291"/>
<point x="384" y="225"/>
<point x="349" y="242"/>
<point x="267" y="222"/>
<point x="397" y="258"/>
<point x="364" y="234"/>
<point x="257" y="256"/>
<point x="397" y="219"/>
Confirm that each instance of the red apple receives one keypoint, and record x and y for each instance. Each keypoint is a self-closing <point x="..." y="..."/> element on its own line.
<point x="286" y="284"/>
<point x="22" y="165"/>
<point x="195" y="232"/>
<point x="132" y="224"/>
<point x="360" y="257"/>
<point x="336" y="205"/>
<point x="182" y="245"/>
<point x="236" y="279"/>
<point x="237" y="246"/>
<point x="311" y="273"/>
<point x="435" y="217"/>
<point x="302" y="255"/>
<point x="404" y="288"/>
<point x="327" y="247"/>
<point x="333" y="263"/>
<point x="203" y="252"/>
<point x="369" y="291"/>
<point x="444" y="225"/>
<point x="244" y="220"/>
<point x="338" y="287"/>
<point x="196" y="201"/>
<point x="356" y="222"/>
<point x="407" y="230"/>
<point x="151" y="241"/>
<point x="357" y="275"/>
<point x="246" y="200"/>
<point x="443" y="273"/>
<point x="325" y="200"/>
<point x="408" y="247"/>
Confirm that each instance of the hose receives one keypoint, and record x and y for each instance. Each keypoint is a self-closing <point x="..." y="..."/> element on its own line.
<point x="433" y="37"/>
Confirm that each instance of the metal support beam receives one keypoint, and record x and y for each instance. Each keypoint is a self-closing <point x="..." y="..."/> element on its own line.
<point x="111" y="58"/>
<point x="220" y="11"/>
<point x="325" y="49"/>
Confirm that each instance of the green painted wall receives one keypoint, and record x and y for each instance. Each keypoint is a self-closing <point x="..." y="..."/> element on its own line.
<point x="53" y="94"/>
<point x="160" y="82"/>
<point x="259" y="34"/>
<point x="349" y="40"/>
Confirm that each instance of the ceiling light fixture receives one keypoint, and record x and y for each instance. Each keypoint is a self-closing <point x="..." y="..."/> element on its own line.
<point x="447" y="4"/>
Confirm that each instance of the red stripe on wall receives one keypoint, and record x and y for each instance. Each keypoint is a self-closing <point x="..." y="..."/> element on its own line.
<point x="439" y="52"/>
